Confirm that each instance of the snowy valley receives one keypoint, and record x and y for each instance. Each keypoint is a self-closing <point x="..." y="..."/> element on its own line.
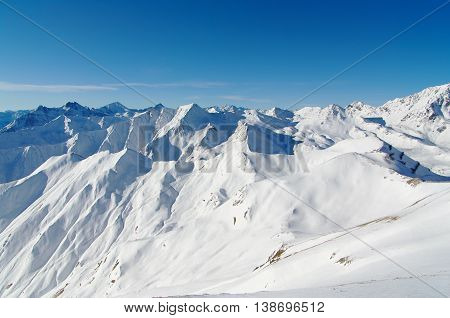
<point x="224" y="200"/>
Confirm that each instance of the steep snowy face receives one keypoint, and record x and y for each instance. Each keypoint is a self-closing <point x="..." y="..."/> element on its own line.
<point x="360" y="109"/>
<point x="320" y="128"/>
<point x="116" y="201"/>
<point x="279" y="113"/>
<point x="430" y="104"/>
<point x="114" y="108"/>
<point x="192" y="116"/>
<point x="424" y="115"/>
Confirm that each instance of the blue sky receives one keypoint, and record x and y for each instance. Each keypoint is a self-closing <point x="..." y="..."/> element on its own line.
<point x="249" y="53"/>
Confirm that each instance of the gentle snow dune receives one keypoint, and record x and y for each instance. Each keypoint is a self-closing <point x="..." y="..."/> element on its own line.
<point x="324" y="202"/>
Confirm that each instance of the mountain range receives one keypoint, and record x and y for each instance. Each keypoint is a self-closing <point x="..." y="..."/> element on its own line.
<point x="225" y="200"/>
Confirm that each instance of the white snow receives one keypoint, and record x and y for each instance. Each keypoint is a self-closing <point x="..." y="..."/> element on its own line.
<point x="114" y="201"/>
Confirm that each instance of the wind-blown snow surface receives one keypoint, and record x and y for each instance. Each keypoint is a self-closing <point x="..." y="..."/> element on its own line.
<point x="225" y="200"/>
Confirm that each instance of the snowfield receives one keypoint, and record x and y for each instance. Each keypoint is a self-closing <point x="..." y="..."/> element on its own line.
<point x="227" y="201"/>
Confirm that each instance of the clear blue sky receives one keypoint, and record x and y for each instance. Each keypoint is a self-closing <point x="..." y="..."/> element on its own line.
<point x="249" y="53"/>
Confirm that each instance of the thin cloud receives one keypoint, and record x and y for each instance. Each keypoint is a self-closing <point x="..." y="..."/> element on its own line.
<point x="191" y="84"/>
<point x="21" y="87"/>
<point x="61" y="88"/>
<point x="238" y="98"/>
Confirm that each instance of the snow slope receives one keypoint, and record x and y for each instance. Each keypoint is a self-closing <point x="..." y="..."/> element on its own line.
<point x="326" y="202"/>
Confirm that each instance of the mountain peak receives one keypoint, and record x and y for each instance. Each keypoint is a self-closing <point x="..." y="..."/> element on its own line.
<point x="430" y="103"/>
<point x="117" y="104"/>
<point x="188" y="107"/>
<point x="334" y="110"/>
<point x="42" y="108"/>
<point x="357" y="104"/>
<point x="190" y="110"/>
<point x="359" y="108"/>
<point x="114" y="108"/>
<point x="73" y="105"/>
<point x="158" y="106"/>
<point x="279" y="113"/>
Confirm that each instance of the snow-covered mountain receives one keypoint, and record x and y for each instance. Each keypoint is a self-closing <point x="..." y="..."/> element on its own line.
<point x="9" y="116"/>
<point x="326" y="201"/>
